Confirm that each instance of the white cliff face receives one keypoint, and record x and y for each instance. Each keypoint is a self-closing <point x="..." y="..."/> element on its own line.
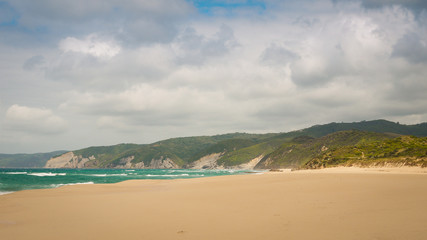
<point x="59" y="162"/>
<point x="139" y="165"/>
<point x="154" y="164"/>
<point x="211" y="162"/>
<point x="249" y="165"/>
<point x="68" y="160"/>
<point x="207" y="162"/>
<point x="125" y="162"/>
<point x="162" y="163"/>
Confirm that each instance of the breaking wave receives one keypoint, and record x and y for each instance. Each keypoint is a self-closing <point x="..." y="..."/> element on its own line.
<point x="46" y="174"/>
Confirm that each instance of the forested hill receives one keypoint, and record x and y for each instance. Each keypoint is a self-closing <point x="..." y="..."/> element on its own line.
<point x="235" y="150"/>
<point x="349" y="148"/>
<point x="381" y="126"/>
<point x="36" y="160"/>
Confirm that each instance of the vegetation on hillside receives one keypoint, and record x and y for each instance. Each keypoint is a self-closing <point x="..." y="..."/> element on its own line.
<point x="316" y="146"/>
<point x="36" y="160"/>
<point x="404" y="150"/>
<point x="300" y="150"/>
<point x="181" y="151"/>
<point x="248" y="153"/>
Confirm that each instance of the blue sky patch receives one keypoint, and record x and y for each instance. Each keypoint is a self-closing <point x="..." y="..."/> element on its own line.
<point x="8" y="15"/>
<point x="227" y="8"/>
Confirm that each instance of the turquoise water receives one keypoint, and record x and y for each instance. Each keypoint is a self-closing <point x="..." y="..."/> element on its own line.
<point x="12" y="180"/>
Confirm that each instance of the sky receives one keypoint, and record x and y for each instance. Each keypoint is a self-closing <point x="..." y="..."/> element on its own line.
<point x="75" y="74"/>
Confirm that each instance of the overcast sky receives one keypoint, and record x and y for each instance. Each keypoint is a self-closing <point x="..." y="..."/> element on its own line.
<point x="81" y="73"/>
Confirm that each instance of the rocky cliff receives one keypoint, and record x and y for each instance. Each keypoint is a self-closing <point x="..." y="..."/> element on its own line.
<point x="70" y="160"/>
<point x="317" y="146"/>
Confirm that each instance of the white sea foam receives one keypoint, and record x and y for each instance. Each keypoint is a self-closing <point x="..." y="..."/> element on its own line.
<point x="15" y="172"/>
<point x="68" y="184"/>
<point x="169" y="175"/>
<point x="108" y="175"/>
<point x="130" y="170"/>
<point x="47" y="174"/>
<point x="4" y="193"/>
<point x="99" y="175"/>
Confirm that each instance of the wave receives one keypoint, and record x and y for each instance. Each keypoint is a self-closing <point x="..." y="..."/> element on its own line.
<point x="47" y="174"/>
<point x="107" y="175"/>
<point x="20" y="179"/>
<point x="98" y="175"/>
<point x="4" y="193"/>
<point x="171" y="175"/>
<point x="68" y="184"/>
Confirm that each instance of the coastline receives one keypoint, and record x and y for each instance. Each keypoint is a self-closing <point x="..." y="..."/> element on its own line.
<point x="347" y="203"/>
<point x="12" y="179"/>
<point x="392" y="170"/>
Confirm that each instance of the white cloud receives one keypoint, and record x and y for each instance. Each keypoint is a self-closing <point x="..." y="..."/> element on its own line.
<point x="33" y="62"/>
<point x="412" y="47"/>
<point x="33" y="120"/>
<point x="157" y="69"/>
<point x="145" y="104"/>
<point x="278" y="56"/>
<point x="193" y="48"/>
<point x="417" y="5"/>
<point x="92" y="45"/>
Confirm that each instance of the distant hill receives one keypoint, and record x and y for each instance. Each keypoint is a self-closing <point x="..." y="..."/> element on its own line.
<point x="36" y="160"/>
<point x="381" y="126"/>
<point x="347" y="148"/>
<point x="171" y="153"/>
<point x="399" y="151"/>
<point x="237" y="150"/>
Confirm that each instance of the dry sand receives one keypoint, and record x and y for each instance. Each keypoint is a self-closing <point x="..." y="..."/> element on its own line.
<point x="324" y="204"/>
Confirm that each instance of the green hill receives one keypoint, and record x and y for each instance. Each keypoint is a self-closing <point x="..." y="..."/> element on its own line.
<point x="381" y="126"/>
<point x="404" y="150"/>
<point x="300" y="150"/>
<point x="36" y="160"/>
<point x="273" y="150"/>
<point x="181" y="151"/>
<point x="274" y="146"/>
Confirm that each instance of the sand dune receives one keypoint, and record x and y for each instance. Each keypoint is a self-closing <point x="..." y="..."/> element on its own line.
<point x="292" y="205"/>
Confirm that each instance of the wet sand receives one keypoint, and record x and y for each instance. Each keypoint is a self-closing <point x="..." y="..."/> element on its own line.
<point x="327" y="204"/>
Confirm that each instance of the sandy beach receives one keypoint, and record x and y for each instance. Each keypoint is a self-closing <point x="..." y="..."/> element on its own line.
<point x="347" y="203"/>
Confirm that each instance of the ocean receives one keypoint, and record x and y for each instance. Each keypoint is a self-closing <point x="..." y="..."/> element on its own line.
<point x="12" y="180"/>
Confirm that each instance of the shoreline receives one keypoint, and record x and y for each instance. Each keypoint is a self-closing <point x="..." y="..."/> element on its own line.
<point x="315" y="204"/>
<point x="14" y="180"/>
<point x="353" y="169"/>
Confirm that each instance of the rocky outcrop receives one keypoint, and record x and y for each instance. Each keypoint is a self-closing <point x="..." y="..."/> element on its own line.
<point x="162" y="163"/>
<point x="207" y="162"/>
<point x="125" y="162"/>
<point x="139" y="165"/>
<point x="68" y="160"/>
<point x="249" y="165"/>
